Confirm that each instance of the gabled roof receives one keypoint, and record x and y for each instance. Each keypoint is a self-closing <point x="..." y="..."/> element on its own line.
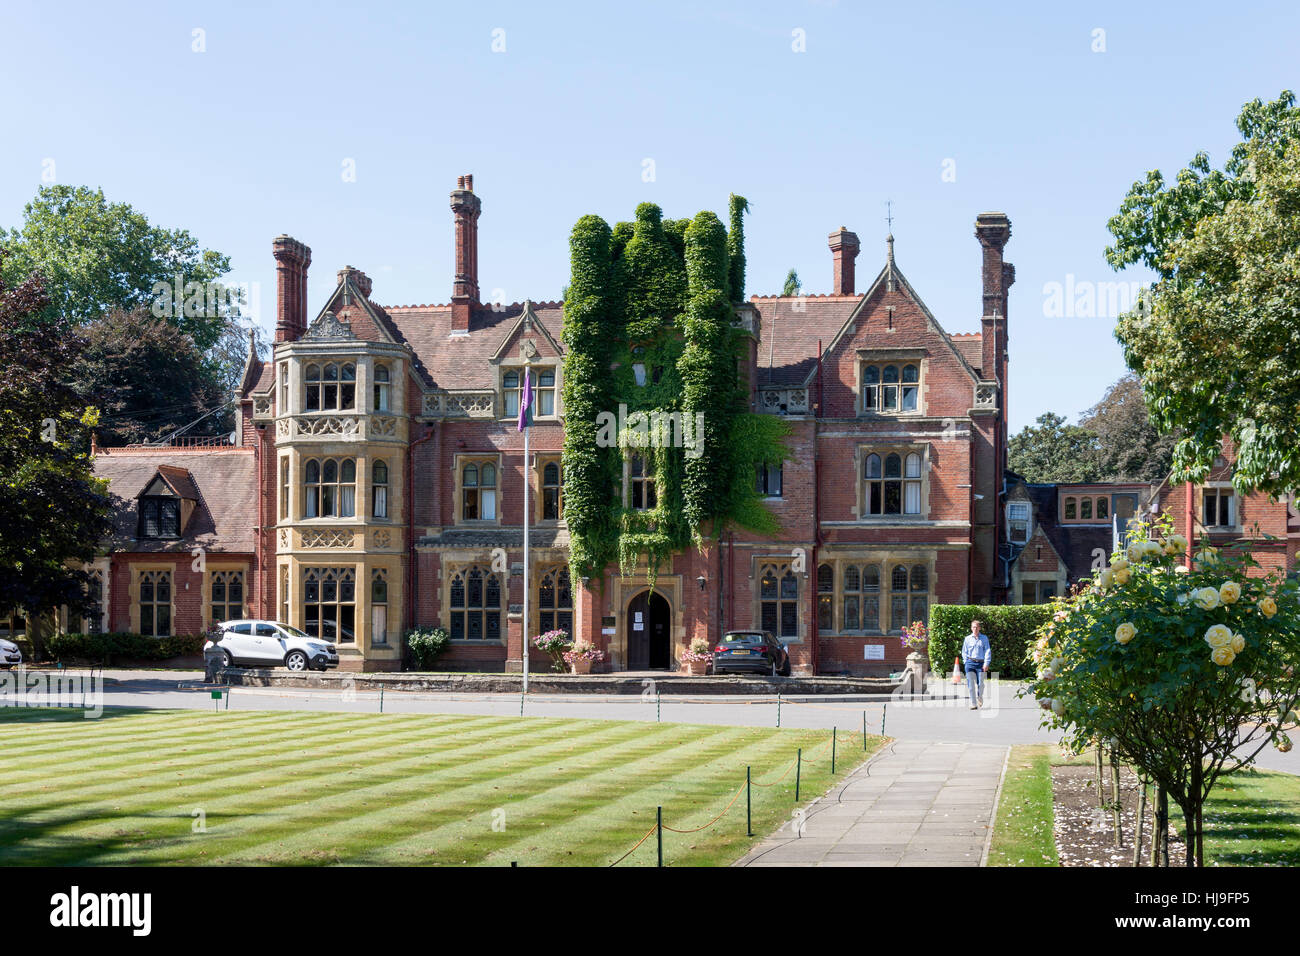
<point x="221" y="482"/>
<point x="465" y="361"/>
<point x="527" y="323"/>
<point x="177" y="479"/>
<point x="790" y="329"/>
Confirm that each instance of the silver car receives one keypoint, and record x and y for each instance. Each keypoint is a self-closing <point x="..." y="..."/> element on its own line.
<point x="10" y="654"/>
<point x="272" y="644"/>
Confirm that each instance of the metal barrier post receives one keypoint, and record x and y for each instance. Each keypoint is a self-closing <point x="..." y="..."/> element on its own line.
<point x="798" y="772"/>
<point x="864" y="730"/>
<point x="832" y="751"/>
<point x="381" y="698"/>
<point x="659" y="823"/>
<point x="778" y="710"/>
<point x="658" y="718"/>
<point x="882" y="719"/>
<point x="227" y="698"/>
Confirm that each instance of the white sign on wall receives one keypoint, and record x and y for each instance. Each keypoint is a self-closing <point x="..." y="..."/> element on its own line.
<point x="873" y="652"/>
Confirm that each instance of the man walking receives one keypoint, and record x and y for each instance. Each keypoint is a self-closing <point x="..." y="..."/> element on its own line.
<point x="977" y="655"/>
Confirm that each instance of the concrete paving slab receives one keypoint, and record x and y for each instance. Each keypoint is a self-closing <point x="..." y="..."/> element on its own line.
<point x="916" y="803"/>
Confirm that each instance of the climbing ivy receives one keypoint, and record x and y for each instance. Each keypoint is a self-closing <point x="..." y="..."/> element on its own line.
<point x="739" y="205"/>
<point x="651" y="349"/>
<point x="591" y="327"/>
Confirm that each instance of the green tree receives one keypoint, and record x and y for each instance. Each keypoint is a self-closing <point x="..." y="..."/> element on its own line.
<point x="53" y="511"/>
<point x="1217" y="340"/>
<point x="1053" y="451"/>
<point x="792" y="284"/>
<point x="147" y="378"/>
<point x="98" y="255"/>
<point x="1129" y="447"/>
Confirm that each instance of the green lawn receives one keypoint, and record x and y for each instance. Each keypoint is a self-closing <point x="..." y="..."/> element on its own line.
<point x="313" y="788"/>
<point x="1022" y="830"/>
<point x="1252" y="819"/>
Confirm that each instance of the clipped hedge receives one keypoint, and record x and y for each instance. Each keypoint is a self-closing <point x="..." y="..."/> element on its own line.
<point x="1009" y="627"/>
<point x="105" y="649"/>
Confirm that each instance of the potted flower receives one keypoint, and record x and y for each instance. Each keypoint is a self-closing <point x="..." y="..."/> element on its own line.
<point x="916" y="637"/>
<point x="697" y="659"/>
<point x="554" y="643"/>
<point x="581" y="656"/>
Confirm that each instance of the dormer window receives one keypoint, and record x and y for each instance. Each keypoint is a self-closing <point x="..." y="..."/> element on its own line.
<point x="1018" y="522"/>
<point x="160" y="517"/>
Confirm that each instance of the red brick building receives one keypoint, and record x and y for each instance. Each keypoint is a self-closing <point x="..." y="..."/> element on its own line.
<point x="1061" y="534"/>
<point x="378" y="483"/>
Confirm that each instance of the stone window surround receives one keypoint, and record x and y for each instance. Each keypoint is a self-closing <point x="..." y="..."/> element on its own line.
<point x="886" y="561"/>
<point x="459" y="461"/>
<point x="213" y="567"/>
<point x="781" y="562"/>
<point x="290" y="571"/>
<point x="899" y="357"/>
<point x="297" y="356"/>
<point x="552" y="363"/>
<point x="537" y="473"/>
<point x="903" y="449"/>
<point x="1234" y="507"/>
<point x="136" y="570"/>
<point x="450" y="568"/>
<point x="299" y="455"/>
<point x="1078" y="498"/>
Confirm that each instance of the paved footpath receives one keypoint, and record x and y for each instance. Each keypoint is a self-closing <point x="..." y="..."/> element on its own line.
<point x="916" y="803"/>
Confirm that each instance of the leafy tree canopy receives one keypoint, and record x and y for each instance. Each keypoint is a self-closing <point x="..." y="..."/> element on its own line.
<point x="1052" y="451"/>
<point x="146" y="377"/>
<point x="1129" y="448"/>
<point x="97" y="255"/>
<point x="53" y="512"/>
<point x="1217" y="340"/>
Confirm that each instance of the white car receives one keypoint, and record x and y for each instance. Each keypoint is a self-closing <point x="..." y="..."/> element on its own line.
<point x="10" y="655"/>
<point x="270" y="644"/>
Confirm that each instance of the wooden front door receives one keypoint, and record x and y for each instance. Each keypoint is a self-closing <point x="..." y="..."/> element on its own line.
<point x="649" y="643"/>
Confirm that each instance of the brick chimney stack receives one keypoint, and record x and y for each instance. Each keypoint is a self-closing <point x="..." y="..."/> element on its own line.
<point x="291" y="261"/>
<point x="359" y="279"/>
<point x="844" y="253"/>
<point x="993" y="229"/>
<point x="465" y="208"/>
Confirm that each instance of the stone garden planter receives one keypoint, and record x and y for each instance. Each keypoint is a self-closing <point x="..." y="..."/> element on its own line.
<point x="697" y="668"/>
<point x="581" y="667"/>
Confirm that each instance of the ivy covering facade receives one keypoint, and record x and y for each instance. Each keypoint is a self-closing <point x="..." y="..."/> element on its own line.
<point x="652" y="344"/>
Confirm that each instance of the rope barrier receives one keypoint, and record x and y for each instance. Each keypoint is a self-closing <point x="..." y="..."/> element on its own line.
<point x="732" y="803"/>
<point x="634" y="849"/>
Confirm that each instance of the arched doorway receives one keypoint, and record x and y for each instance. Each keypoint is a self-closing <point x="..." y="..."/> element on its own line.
<point x="649" y="630"/>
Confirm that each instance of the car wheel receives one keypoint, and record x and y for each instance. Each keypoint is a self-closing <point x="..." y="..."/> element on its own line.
<point x="226" y="659"/>
<point x="296" y="661"/>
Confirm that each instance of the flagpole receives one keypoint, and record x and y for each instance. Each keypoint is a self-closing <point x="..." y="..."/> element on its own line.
<point x="527" y="415"/>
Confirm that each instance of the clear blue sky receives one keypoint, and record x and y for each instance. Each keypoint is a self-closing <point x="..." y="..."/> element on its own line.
<point x="248" y="139"/>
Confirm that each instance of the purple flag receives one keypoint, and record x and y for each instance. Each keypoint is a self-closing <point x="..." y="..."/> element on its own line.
<point x="526" y="401"/>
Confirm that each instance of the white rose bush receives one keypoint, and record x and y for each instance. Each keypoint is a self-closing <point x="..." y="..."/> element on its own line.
<point x="1186" y="672"/>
